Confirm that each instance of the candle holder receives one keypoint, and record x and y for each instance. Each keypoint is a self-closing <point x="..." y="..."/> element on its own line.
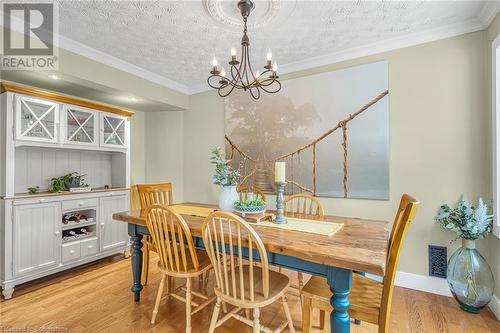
<point x="280" y="208"/>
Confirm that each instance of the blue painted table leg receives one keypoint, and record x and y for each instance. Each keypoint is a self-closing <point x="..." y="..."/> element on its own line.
<point x="136" y="265"/>
<point x="340" y="282"/>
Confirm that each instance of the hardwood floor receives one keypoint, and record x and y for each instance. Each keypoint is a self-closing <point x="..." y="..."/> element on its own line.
<point x="97" y="298"/>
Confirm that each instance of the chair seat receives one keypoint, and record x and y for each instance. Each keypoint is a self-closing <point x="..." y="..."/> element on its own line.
<point x="204" y="264"/>
<point x="278" y="284"/>
<point x="365" y="297"/>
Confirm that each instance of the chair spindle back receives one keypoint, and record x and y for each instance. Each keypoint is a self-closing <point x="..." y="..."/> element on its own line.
<point x="243" y="192"/>
<point x="150" y="194"/>
<point x="303" y="204"/>
<point x="225" y="232"/>
<point x="172" y="239"/>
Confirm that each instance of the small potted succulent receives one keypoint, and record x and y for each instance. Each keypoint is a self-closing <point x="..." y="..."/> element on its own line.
<point x="250" y="206"/>
<point x="469" y="276"/>
<point x="226" y="177"/>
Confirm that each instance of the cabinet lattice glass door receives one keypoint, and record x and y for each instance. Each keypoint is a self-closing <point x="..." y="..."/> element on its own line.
<point x="36" y="120"/>
<point x="81" y="126"/>
<point x="113" y="131"/>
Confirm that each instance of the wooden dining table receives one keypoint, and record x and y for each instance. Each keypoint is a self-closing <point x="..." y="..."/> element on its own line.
<point x="359" y="246"/>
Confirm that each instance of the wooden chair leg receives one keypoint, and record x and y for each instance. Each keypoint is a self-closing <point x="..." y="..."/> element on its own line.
<point x="215" y="316"/>
<point x="188" y="305"/>
<point x="301" y="286"/>
<point x="306" y="315"/>
<point x="158" y="298"/>
<point x="322" y="320"/>
<point x="256" y="320"/>
<point x="169" y="286"/>
<point x="145" y="265"/>
<point x="291" y="329"/>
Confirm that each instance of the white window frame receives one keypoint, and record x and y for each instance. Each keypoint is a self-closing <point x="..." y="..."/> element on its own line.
<point x="495" y="94"/>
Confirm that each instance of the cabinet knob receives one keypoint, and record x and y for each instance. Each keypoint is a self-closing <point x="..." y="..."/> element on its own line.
<point x="41" y="200"/>
<point x="102" y="224"/>
<point x="56" y="233"/>
<point x="89" y="247"/>
<point x="71" y="251"/>
<point x="81" y="203"/>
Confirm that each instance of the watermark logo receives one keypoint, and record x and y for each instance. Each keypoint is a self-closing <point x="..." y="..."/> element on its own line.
<point x="28" y="36"/>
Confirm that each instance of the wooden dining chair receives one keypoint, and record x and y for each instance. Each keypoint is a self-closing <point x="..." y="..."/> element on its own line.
<point x="135" y="203"/>
<point x="179" y="258"/>
<point x="302" y="204"/>
<point x="150" y="194"/>
<point x="239" y="281"/>
<point x="243" y="192"/>
<point x="370" y="300"/>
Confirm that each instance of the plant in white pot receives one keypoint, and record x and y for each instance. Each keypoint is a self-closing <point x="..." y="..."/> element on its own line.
<point x="226" y="177"/>
<point x="469" y="276"/>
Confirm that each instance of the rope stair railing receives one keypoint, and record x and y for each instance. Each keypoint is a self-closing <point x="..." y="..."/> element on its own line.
<point x="342" y="125"/>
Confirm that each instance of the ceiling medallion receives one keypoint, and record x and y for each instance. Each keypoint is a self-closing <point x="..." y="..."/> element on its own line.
<point x="241" y="75"/>
<point x="228" y="16"/>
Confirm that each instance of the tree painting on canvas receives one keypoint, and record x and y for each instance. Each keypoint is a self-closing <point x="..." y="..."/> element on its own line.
<point x="331" y="129"/>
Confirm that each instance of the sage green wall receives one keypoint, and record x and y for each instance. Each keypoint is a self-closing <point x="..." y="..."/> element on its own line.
<point x="137" y="148"/>
<point x="437" y="144"/>
<point x="494" y="243"/>
<point x="164" y="145"/>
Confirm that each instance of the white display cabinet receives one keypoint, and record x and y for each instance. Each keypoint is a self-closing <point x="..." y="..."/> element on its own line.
<point x="45" y="135"/>
<point x="80" y="126"/>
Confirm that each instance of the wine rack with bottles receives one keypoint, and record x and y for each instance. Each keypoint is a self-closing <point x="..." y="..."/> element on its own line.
<point x="79" y="224"/>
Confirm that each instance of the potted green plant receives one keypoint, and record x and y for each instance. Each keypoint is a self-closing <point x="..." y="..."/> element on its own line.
<point x="226" y="177"/>
<point x="469" y="276"/>
<point x="68" y="181"/>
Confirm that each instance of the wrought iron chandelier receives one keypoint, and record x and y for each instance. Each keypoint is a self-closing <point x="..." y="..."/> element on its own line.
<point x="241" y="72"/>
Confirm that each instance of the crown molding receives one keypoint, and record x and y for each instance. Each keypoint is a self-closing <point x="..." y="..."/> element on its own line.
<point x="488" y="12"/>
<point x="99" y="56"/>
<point x="413" y="39"/>
<point x="483" y="19"/>
<point x="104" y="58"/>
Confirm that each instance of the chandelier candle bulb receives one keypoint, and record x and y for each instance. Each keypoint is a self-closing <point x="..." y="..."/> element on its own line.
<point x="240" y="74"/>
<point x="279" y="172"/>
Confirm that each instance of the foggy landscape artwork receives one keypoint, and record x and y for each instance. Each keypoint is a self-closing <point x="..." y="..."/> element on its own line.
<point x="331" y="129"/>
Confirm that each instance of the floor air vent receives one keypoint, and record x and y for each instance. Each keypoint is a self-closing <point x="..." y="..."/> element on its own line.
<point x="438" y="261"/>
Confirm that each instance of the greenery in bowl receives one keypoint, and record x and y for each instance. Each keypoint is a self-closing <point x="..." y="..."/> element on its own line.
<point x="467" y="221"/>
<point x="255" y="205"/>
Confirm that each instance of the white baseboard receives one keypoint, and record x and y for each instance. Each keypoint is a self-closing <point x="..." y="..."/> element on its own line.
<point x="429" y="284"/>
<point x="495" y="306"/>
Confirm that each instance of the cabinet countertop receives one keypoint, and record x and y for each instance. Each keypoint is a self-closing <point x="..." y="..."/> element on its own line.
<point x="50" y="194"/>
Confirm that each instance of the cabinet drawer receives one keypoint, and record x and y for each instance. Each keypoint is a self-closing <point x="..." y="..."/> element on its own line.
<point x="70" y="251"/>
<point x="88" y="247"/>
<point x="77" y="204"/>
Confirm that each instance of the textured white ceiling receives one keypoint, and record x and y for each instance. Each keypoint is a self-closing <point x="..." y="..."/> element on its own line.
<point x="177" y="39"/>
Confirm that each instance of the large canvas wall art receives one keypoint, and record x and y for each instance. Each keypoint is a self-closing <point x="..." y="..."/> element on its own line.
<point x="331" y="129"/>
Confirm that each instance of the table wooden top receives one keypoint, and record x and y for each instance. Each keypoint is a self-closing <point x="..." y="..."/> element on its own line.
<point x="360" y="245"/>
